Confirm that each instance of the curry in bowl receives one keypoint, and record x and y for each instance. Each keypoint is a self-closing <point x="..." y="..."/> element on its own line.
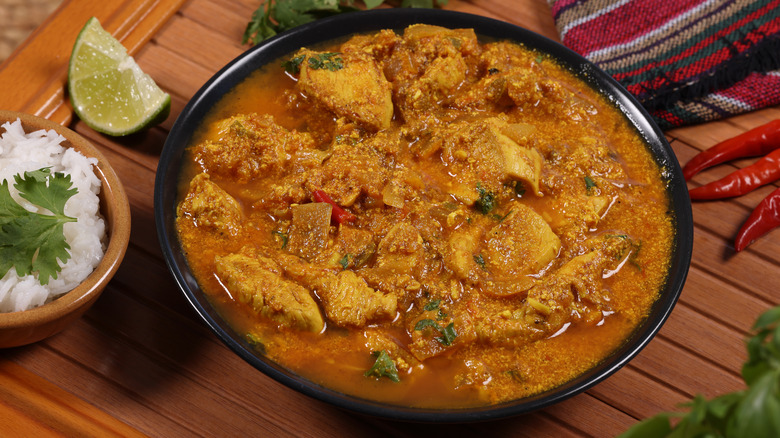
<point x="423" y="219"/>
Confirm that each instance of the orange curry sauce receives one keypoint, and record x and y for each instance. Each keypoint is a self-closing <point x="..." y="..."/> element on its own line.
<point x="505" y="228"/>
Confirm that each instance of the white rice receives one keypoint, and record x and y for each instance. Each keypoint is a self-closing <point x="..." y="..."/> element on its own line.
<point x="21" y="152"/>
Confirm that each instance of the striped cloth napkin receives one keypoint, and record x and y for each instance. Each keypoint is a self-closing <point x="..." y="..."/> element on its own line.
<point x="687" y="61"/>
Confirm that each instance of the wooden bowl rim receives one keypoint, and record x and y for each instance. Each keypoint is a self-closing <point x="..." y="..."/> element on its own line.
<point x="115" y="208"/>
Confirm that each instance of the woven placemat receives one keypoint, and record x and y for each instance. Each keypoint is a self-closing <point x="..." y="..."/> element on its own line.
<point x="687" y="61"/>
<point x="18" y="18"/>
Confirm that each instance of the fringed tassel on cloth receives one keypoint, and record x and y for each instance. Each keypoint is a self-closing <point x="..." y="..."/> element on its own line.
<point x="687" y="61"/>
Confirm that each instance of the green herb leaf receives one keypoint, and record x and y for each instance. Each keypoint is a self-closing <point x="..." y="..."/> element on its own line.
<point x="433" y="305"/>
<point x="383" y="367"/>
<point x="448" y="335"/>
<point x="486" y="201"/>
<point x="328" y="61"/>
<point x="758" y="413"/>
<point x="478" y="259"/>
<point x="33" y="242"/>
<point x="293" y="66"/>
<point x="292" y="13"/>
<point x="281" y="237"/>
<point x="654" y="427"/>
<point x="344" y="261"/>
<point x="260" y="26"/>
<point x="274" y="16"/>
<point x="421" y="324"/>
<point x="754" y="412"/>
<point x="589" y="184"/>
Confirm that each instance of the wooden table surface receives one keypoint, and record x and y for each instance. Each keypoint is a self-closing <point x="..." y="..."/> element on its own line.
<point x="141" y="362"/>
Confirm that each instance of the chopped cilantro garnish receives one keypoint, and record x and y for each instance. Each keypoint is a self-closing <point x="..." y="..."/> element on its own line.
<point x="328" y="61"/>
<point x="421" y="324"/>
<point x="478" y="259"/>
<point x="589" y="184"/>
<point x="486" y="201"/>
<point x="383" y="367"/>
<point x="448" y="333"/>
<point x="344" y="261"/>
<point x="33" y="242"/>
<point x="433" y="305"/>
<point x="281" y="237"/>
<point x="293" y="65"/>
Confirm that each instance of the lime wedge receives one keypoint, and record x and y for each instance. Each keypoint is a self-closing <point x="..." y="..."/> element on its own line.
<point x="108" y="90"/>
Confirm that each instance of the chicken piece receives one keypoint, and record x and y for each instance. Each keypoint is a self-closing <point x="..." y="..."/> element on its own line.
<point x="470" y="153"/>
<point x="401" y="250"/>
<point x="258" y="281"/>
<point x="438" y="329"/>
<point x="350" y="171"/>
<point x="350" y="84"/>
<point x="486" y="153"/>
<point x="346" y="298"/>
<point x="522" y="244"/>
<point x="503" y="56"/>
<point x="349" y="301"/>
<point x="310" y="228"/>
<point x="599" y="206"/>
<point x="572" y="293"/>
<point x="210" y="206"/>
<point x="460" y="254"/>
<point x="551" y="96"/>
<point x="357" y="245"/>
<point x="400" y="259"/>
<point x="496" y="61"/>
<point x="522" y="163"/>
<point x="246" y="146"/>
<point x="465" y="40"/>
<point x="428" y="67"/>
<point x="379" y="45"/>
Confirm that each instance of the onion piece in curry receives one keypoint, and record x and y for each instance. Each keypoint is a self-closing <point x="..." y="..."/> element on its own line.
<point x="425" y="220"/>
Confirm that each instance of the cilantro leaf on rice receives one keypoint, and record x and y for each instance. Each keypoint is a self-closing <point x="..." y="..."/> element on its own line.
<point x="34" y="242"/>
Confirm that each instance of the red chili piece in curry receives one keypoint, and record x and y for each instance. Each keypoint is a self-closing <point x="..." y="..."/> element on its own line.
<point x="422" y="219"/>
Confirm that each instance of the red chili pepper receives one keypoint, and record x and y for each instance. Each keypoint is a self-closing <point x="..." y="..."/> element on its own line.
<point x="758" y="141"/>
<point x="763" y="219"/>
<point x="338" y="214"/>
<point x="763" y="171"/>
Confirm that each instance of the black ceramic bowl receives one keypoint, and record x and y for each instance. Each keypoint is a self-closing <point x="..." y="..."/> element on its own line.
<point x="172" y="157"/>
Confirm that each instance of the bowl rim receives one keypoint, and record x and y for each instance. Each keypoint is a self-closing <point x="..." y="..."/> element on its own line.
<point x="398" y="18"/>
<point x="117" y="208"/>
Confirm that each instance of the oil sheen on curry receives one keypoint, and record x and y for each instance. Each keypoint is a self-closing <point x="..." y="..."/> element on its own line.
<point x="424" y="219"/>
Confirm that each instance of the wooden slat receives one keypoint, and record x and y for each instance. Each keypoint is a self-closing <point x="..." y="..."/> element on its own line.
<point x="38" y="69"/>
<point x="142" y="361"/>
<point x="32" y="407"/>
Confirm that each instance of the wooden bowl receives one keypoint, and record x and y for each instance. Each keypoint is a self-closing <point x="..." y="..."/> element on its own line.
<point x="28" y="326"/>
